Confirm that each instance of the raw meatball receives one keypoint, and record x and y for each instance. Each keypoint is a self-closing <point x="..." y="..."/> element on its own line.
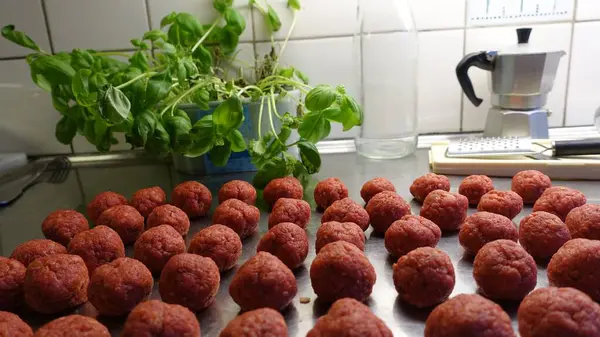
<point x="577" y="265"/>
<point x="116" y="287"/>
<point x="474" y="187"/>
<point x="445" y="209"/>
<point x="102" y="202"/>
<point x="147" y="199"/>
<point x="263" y="282"/>
<point x="237" y="215"/>
<point x="287" y="187"/>
<point x="238" y="189"/>
<point x="584" y="222"/>
<point x="125" y="220"/>
<point x="558" y="312"/>
<point x="264" y="322"/>
<point x="507" y="203"/>
<point x="73" y="326"/>
<point x="12" y="276"/>
<point x="374" y="186"/>
<point x="158" y="319"/>
<point x="157" y="245"/>
<point x="468" y="315"/>
<point x="428" y="183"/>
<point x="287" y="242"/>
<point x="346" y="210"/>
<point x="190" y="280"/>
<point x="424" y="277"/>
<point x="97" y="246"/>
<point x="333" y="231"/>
<point x="30" y="250"/>
<point x="530" y="185"/>
<point x="169" y="215"/>
<point x="559" y="201"/>
<point x="12" y="326"/>
<point x="62" y="225"/>
<point x="483" y="227"/>
<point x="56" y="283"/>
<point x="410" y="233"/>
<point x="542" y="234"/>
<point x="348" y="317"/>
<point x="220" y="243"/>
<point x="504" y="271"/>
<point x="385" y="208"/>
<point x="193" y="198"/>
<point x="342" y="270"/>
<point x="329" y="191"/>
<point x="290" y="210"/>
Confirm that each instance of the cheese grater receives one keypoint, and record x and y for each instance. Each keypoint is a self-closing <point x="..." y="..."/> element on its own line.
<point x="490" y="147"/>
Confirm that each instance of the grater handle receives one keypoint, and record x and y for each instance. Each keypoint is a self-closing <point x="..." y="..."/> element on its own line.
<point x="577" y="147"/>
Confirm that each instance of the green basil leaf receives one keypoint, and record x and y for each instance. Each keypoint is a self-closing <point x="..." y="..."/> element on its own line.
<point x="115" y="106"/>
<point x="181" y="72"/>
<point x="314" y="127"/>
<point x="219" y="155"/>
<point x="189" y="29"/>
<point x="201" y="99"/>
<point x="340" y="89"/>
<point x="200" y="147"/>
<point x="222" y="5"/>
<point x="139" y="60"/>
<point x="190" y="68"/>
<point x="275" y="168"/>
<point x="273" y="19"/>
<point x="158" y="88"/>
<point x="294" y="4"/>
<point x="353" y="112"/>
<point x="179" y="129"/>
<point x="229" y="40"/>
<point x="154" y="35"/>
<point x="302" y="76"/>
<point x="168" y="19"/>
<point x="40" y="80"/>
<point x="284" y="134"/>
<point x="320" y="98"/>
<point x="238" y="144"/>
<point x="204" y="58"/>
<point x="66" y="129"/>
<point x="53" y="69"/>
<point x="81" y="59"/>
<point x="143" y="127"/>
<point x="158" y="143"/>
<point x="80" y="85"/>
<point x="335" y="114"/>
<point x="205" y="124"/>
<point x="235" y="21"/>
<point x="20" y="38"/>
<point x="310" y="156"/>
<point x="97" y="81"/>
<point x="229" y="114"/>
<point x="286" y="72"/>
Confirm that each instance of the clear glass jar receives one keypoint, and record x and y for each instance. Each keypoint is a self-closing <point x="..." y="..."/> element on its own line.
<point x="386" y="52"/>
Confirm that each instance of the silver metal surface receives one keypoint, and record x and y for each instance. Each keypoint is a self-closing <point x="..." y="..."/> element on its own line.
<point x="517" y="123"/>
<point x="490" y="147"/>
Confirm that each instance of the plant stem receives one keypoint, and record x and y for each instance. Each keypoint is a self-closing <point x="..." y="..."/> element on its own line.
<point x="285" y="42"/>
<point x="181" y="96"/>
<point x="245" y="89"/>
<point x="135" y="79"/>
<point x="271" y="118"/>
<point x="206" y="34"/>
<point x="260" y="113"/>
<point x="275" y="106"/>
<point x="282" y="79"/>
<point x="111" y="53"/>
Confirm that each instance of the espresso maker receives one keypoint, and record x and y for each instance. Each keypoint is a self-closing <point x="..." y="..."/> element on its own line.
<point x="520" y="80"/>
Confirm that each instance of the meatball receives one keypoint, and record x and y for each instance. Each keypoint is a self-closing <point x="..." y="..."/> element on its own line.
<point x="542" y="234"/>
<point x="190" y="280"/>
<point x="577" y="265"/>
<point x="424" y="277"/>
<point x="584" y="222"/>
<point x="102" y="202"/>
<point x="445" y="209"/>
<point x="220" y="243"/>
<point x="158" y="319"/>
<point x="287" y="242"/>
<point x="374" y="186"/>
<point x="559" y="201"/>
<point x="116" y="287"/>
<point x="157" y="245"/>
<point x="290" y="210"/>
<point x="12" y="276"/>
<point x="507" y="203"/>
<point x="410" y="233"/>
<point x="30" y="250"/>
<point x="504" y="271"/>
<point x="428" y="183"/>
<point x="346" y="210"/>
<point x="333" y="231"/>
<point x="62" y="225"/>
<point x="237" y="215"/>
<point x="287" y="187"/>
<point x="97" y="246"/>
<point x="147" y="199"/>
<point x="169" y="215"/>
<point x="71" y="326"/>
<point x="342" y="270"/>
<point x="385" y="208"/>
<point x="263" y="282"/>
<point x="193" y="198"/>
<point x="474" y="187"/>
<point x="125" y="220"/>
<point x="530" y="185"/>
<point x="483" y="227"/>
<point x="348" y="317"/>
<point x="558" y="312"/>
<point x="329" y="191"/>
<point x="56" y="283"/>
<point x="257" y="323"/>
<point x="238" y="189"/>
<point x="12" y="326"/>
<point x="468" y="315"/>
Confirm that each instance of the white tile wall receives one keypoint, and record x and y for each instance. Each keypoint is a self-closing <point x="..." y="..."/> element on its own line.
<point x="26" y="15"/>
<point x="435" y="14"/>
<point x="588" y="10"/>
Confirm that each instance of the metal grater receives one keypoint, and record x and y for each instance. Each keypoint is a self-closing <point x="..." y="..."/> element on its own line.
<point x="490" y="147"/>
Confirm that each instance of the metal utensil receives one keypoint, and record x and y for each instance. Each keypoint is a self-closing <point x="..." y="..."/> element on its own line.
<point x="513" y="146"/>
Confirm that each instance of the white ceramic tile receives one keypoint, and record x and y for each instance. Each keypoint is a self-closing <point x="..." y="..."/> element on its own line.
<point x="386" y="16"/>
<point x="202" y="9"/>
<point x="438" y="90"/>
<point x="588" y="10"/>
<point x="545" y="37"/>
<point x="583" y="99"/>
<point x="317" y="18"/>
<point x="28" y="17"/>
<point x="438" y="14"/>
<point x="101" y="25"/>
<point x="28" y="118"/>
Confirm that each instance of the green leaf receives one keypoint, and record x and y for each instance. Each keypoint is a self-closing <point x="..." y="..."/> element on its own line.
<point x="229" y="41"/>
<point x="97" y="81"/>
<point x="20" y="38"/>
<point x="66" y="129"/>
<point x="80" y="85"/>
<point x="353" y="112"/>
<point x="158" y="88"/>
<point x="340" y="89"/>
<point x="143" y="127"/>
<point x="222" y="5"/>
<point x="168" y="19"/>
<point x="275" y="168"/>
<point x="202" y="137"/>
<point x="235" y="21"/>
<point x="286" y="72"/>
<point x="273" y="19"/>
<point x="181" y="72"/>
<point x="320" y="98"/>
<point x="158" y="143"/>
<point x="53" y="69"/>
<point x="81" y="59"/>
<point x="229" y="114"/>
<point x="314" y="127"/>
<point x="294" y="4"/>
<point x="154" y="35"/>
<point x="140" y="44"/>
<point x="201" y="99"/>
<point x="204" y="58"/>
<point x="219" y="155"/>
<point x="310" y="156"/>
<point x="186" y="30"/>
<point x="334" y="113"/>
<point x="139" y="60"/>
<point x="237" y="141"/>
<point x="40" y="80"/>
<point x="302" y="76"/>
<point x="179" y="129"/>
<point x="115" y="106"/>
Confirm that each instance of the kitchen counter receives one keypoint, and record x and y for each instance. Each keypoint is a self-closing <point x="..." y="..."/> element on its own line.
<point x="22" y="220"/>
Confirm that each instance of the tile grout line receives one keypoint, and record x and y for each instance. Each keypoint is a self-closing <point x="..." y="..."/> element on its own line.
<point x="564" y="117"/>
<point x="464" y="52"/>
<point x="47" y="24"/>
<point x="148" y="18"/>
